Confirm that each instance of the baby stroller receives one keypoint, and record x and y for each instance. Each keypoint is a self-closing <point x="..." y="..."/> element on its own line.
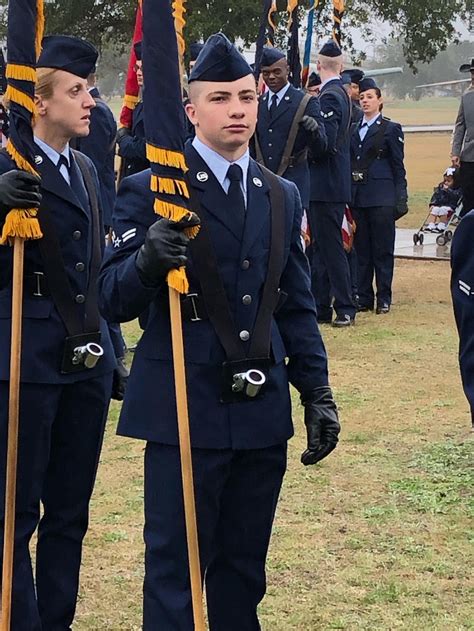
<point x="445" y="209"/>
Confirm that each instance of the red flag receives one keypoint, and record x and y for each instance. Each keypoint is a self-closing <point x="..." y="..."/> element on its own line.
<point x="131" y="85"/>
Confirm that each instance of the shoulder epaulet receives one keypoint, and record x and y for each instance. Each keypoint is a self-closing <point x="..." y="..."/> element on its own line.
<point x="386" y="118"/>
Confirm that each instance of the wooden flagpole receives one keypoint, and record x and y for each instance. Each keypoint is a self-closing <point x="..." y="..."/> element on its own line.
<point x="13" y="424"/>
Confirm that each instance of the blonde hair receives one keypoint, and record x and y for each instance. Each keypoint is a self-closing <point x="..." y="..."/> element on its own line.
<point x="45" y="82"/>
<point x="331" y="64"/>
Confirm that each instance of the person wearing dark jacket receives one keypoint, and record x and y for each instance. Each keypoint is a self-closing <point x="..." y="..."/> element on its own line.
<point x="330" y="192"/>
<point x="65" y="392"/>
<point x="131" y="142"/>
<point x="280" y="109"/>
<point x="379" y="195"/>
<point x="239" y="442"/>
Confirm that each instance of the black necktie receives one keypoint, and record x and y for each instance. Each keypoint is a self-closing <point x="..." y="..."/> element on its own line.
<point x="273" y="106"/>
<point x="234" y="194"/>
<point x="63" y="162"/>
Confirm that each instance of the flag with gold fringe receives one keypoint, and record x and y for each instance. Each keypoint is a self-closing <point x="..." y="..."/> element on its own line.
<point x="272" y="23"/>
<point x="132" y="89"/>
<point x="163" y="49"/>
<point x="25" y="33"/>
<point x="308" y="43"/>
<point x="294" y="61"/>
<point x="338" y="12"/>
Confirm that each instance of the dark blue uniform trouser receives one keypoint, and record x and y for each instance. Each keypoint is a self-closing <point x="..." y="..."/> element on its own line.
<point x="60" y="438"/>
<point x="375" y="243"/>
<point x="330" y="274"/>
<point x="236" y="496"/>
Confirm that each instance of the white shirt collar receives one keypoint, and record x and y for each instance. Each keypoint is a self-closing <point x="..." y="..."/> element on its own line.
<point x="52" y="154"/>
<point x="370" y="122"/>
<point x="220" y="165"/>
<point x="328" y="80"/>
<point x="280" y="94"/>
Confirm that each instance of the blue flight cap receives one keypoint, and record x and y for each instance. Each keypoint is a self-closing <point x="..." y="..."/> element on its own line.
<point x="367" y="84"/>
<point x="194" y="50"/>
<point x="356" y="74"/>
<point x="330" y="49"/>
<point x="467" y="67"/>
<point x="219" y="60"/>
<point x="137" y="47"/>
<point x="346" y="77"/>
<point x="271" y="55"/>
<point x="314" y="79"/>
<point x="71" y="54"/>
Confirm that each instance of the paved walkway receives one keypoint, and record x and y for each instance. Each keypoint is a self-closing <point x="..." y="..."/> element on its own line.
<point x="405" y="248"/>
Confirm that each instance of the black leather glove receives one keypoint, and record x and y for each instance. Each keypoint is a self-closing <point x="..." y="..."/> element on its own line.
<point x="19" y="189"/>
<point x="164" y="249"/>
<point x="310" y="124"/>
<point x="401" y="208"/>
<point x="123" y="131"/>
<point x="322" y="424"/>
<point x="120" y="378"/>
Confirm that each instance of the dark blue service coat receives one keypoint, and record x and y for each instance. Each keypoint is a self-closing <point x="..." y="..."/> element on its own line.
<point x="149" y="410"/>
<point x="99" y="146"/>
<point x="132" y="147"/>
<point x="386" y="182"/>
<point x="62" y="417"/>
<point x="272" y="134"/>
<point x="43" y="329"/>
<point x="330" y="169"/>
<point x="462" y="291"/>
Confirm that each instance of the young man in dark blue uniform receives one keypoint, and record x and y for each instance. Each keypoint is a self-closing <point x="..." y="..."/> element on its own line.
<point x="379" y="195"/>
<point x="330" y="192"/>
<point x="239" y="442"/>
<point x="63" y="403"/>
<point x="462" y="291"/>
<point x="288" y="123"/>
<point x="131" y="142"/>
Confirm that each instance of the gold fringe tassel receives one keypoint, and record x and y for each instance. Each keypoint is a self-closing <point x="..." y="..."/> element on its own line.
<point x="20" y="73"/>
<point x="18" y="159"/>
<point x="39" y="26"/>
<point x="169" y="186"/>
<point x="13" y="94"/>
<point x="178" y="280"/>
<point x="21" y="222"/>
<point x="179" y="21"/>
<point x="166" y="157"/>
<point x="130" y="101"/>
<point x="173" y="212"/>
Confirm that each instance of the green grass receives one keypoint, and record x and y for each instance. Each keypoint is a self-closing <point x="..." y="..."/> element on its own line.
<point x="379" y="536"/>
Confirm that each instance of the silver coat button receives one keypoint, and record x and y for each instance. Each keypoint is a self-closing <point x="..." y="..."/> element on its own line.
<point x="80" y="298"/>
<point x="80" y="267"/>
<point x="246" y="299"/>
<point x="244" y="336"/>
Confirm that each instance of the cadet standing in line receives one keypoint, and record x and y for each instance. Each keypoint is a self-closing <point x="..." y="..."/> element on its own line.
<point x="350" y="79"/>
<point x="462" y="146"/>
<point x="131" y="142"/>
<point x="64" y="397"/>
<point x="239" y="441"/>
<point x="289" y="121"/>
<point x="462" y="292"/>
<point x="379" y="197"/>
<point x="330" y="192"/>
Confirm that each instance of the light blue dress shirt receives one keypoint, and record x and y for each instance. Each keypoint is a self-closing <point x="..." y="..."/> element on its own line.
<point x="280" y="94"/>
<point x="53" y="155"/>
<point x="219" y="165"/>
<point x="364" y="126"/>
